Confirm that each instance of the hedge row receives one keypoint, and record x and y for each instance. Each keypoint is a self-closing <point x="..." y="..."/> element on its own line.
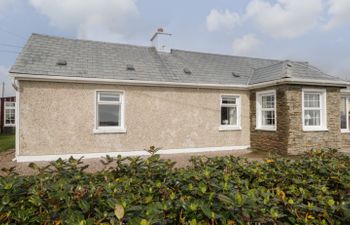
<point x="314" y="189"/>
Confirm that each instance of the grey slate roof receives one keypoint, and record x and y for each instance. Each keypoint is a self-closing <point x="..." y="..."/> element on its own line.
<point x="92" y="59"/>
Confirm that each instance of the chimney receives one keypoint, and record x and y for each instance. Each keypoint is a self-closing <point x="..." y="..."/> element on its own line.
<point x="161" y="40"/>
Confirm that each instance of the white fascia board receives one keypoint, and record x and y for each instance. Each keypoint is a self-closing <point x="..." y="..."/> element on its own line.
<point x="300" y="82"/>
<point x="123" y="82"/>
<point x="36" y="158"/>
<point x="52" y="78"/>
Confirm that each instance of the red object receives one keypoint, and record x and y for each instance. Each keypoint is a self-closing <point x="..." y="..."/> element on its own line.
<point x="160" y="30"/>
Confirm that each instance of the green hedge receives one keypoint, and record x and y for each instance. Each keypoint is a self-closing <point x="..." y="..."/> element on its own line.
<point x="313" y="189"/>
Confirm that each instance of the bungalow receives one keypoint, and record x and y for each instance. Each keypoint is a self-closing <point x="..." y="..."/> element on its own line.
<point x="88" y="98"/>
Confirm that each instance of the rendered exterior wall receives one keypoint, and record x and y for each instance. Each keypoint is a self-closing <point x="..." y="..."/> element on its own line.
<point x="58" y="118"/>
<point x="290" y="137"/>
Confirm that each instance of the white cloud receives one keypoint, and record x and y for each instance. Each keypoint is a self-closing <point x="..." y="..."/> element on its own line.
<point x="88" y="16"/>
<point x="285" y="18"/>
<point x="339" y="10"/>
<point x="4" y="77"/>
<point x="7" y="4"/>
<point x="217" y="20"/>
<point x="245" y="44"/>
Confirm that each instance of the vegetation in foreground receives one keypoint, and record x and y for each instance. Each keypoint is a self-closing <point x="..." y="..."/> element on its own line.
<point x="7" y="141"/>
<point x="314" y="189"/>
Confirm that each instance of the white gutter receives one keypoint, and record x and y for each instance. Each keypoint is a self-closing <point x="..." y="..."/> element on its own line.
<point x="122" y="82"/>
<point x="300" y="82"/>
<point x="51" y="78"/>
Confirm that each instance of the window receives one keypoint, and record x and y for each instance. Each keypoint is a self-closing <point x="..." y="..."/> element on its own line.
<point x="9" y="114"/>
<point x="314" y="110"/>
<point x="230" y="112"/>
<point x="266" y="118"/>
<point x="345" y="114"/>
<point x="109" y="112"/>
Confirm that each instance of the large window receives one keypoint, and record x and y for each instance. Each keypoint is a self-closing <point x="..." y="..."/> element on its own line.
<point x="344" y="114"/>
<point x="266" y="118"/>
<point x="230" y="112"/>
<point x="314" y="109"/>
<point x="109" y="111"/>
<point x="9" y="114"/>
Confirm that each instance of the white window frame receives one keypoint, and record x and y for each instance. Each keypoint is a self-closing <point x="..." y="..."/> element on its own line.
<point x="10" y="108"/>
<point x="259" y="125"/>
<point x="110" y="129"/>
<point x="347" y="105"/>
<point x="238" y="107"/>
<point x="323" y="110"/>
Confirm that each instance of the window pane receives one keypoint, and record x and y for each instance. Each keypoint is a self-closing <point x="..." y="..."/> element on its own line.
<point x="228" y="115"/>
<point x="343" y="113"/>
<point x="108" y="115"/>
<point x="312" y="117"/>
<point x="268" y="118"/>
<point x="9" y="116"/>
<point x="228" y="100"/>
<point x="10" y="104"/>
<point x="113" y="97"/>
<point x="268" y="102"/>
<point x="312" y="100"/>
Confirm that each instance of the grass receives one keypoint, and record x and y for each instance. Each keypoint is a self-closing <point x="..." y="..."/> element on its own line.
<point x="7" y="141"/>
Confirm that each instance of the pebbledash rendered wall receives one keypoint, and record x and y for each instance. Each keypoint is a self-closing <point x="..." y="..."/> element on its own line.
<point x="59" y="118"/>
<point x="290" y="137"/>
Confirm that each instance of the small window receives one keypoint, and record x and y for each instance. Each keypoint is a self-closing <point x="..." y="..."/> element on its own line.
<point x="109" y="110"/>
<point x="345" y="114"/>
<point x="266" y="110"/>
<point x="230" y="112"/>
<point x="314" y="110"/>
<point x="9" y="114"/>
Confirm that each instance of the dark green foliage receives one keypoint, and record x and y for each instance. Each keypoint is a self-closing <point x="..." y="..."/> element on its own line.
<point x="314" y="189"/>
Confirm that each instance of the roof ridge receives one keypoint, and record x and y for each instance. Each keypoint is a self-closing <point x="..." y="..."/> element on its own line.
<point x="309" y="66"/>
<point x="91" y="41"/>
<point x="263" y="67"/>
<point x="225" y="55"/>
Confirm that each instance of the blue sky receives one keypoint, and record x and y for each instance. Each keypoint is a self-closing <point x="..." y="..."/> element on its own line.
<point x="317" y="31"/>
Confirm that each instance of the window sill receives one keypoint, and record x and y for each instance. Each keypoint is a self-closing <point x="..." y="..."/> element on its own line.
<point x="9" y="125"/>
<point x="273" y="129"/>
<point x="228" y="128"/>
<point x="110" y="131"/>
<point x="345" y="131"/>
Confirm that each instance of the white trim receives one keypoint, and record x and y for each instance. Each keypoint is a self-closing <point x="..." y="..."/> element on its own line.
<point x="238" y="107"/>
<point x="228" y="127"/>
<point x="17" y="119"/>
<point x="323" y="110"/>
<point x="109" y="131"/>
<point x="258" y="117"/>
<point x="11" y="108"/>
<point x="117" y="129"/>
<point x="345" y="92"/>
<point x="301" y="82"/>
<point x="54" y="78"/>
<point x="130" y="153"/>
<point x="123" y="82"/>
